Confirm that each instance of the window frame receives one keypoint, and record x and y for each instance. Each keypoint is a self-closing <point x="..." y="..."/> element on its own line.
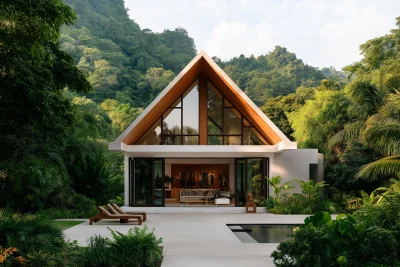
<point x="224" y="107"/>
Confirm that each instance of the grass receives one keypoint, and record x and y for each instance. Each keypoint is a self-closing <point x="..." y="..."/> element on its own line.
<point x="64" y="225"/>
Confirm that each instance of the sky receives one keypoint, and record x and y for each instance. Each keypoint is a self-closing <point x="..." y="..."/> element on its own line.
<point x="321" y="33"/>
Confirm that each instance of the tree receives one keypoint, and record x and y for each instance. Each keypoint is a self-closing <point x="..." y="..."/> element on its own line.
<point x="383" y="134"/>
<point x="34" y="71"/>
<point x="121" y="115"/>
<point x="35" y="116"/>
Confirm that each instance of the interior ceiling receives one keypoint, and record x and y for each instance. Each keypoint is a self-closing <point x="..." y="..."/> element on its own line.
<point x="202" y="66"/>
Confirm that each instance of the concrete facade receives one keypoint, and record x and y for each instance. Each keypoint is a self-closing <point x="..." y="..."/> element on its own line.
<point x="289" y="164"/>
<point x="285" y="159"/>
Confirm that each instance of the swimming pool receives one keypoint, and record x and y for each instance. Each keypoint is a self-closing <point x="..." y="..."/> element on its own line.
<point x="262" y="233"/>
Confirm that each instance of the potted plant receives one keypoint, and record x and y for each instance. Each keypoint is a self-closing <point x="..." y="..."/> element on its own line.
<point x="168" y="181"/>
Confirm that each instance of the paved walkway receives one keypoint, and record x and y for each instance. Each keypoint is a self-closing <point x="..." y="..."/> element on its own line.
<point x="198" y="239"/>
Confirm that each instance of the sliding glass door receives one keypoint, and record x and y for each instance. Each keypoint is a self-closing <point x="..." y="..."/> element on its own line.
<point x="250" y="179"/>
<point x="146" y="182"/>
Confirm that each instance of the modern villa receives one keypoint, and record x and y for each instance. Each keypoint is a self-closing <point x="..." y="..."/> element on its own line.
<point x="203" y="137"/>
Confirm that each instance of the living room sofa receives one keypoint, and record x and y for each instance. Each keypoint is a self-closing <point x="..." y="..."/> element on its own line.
<point x="195" y="195"/>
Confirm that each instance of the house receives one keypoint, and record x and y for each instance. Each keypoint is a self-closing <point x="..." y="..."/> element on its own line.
<point x="203" y="136"/>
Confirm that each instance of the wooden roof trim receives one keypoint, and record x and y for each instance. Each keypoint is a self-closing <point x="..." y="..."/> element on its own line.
<point x="241" y="95"/>
<point x="180" y="83"/>
<point x="127" y="136"/>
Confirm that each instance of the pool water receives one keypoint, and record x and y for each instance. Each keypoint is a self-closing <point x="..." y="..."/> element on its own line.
<point x="265" y="233"/>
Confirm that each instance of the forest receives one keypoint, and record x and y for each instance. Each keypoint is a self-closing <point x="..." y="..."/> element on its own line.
<point x="74" y="74"/>
<point x="73" y="82"/>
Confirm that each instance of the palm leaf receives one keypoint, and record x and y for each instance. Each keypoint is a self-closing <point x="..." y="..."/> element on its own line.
<point x="384" y="138"/>
<point x="351" y="131"/>
<point x="382" y="167"/>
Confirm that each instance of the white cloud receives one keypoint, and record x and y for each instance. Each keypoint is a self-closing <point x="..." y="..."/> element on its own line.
<point x="322" y="33"/>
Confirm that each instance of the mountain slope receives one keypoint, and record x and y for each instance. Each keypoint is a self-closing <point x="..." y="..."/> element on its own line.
<point x="121" y="60"/>
<point x="132" y="65"/>
<point x="276" y="73"/>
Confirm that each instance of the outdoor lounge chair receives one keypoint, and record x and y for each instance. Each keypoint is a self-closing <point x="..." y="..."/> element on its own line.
<point x="105" y="214"/>
<point x="121" y="211"/>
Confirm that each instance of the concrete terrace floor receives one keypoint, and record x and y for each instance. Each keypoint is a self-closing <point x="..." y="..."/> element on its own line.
<point x="198" y="239"/>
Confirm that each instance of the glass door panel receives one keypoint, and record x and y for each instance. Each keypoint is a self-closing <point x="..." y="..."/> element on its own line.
<point x="255" y="180"/>
<point x="159" y="182"/>
<point x="250" y="179"/>
<point x="143" y="182"/>
<point x="240" y="182"/>
<point x="147" y="182"/>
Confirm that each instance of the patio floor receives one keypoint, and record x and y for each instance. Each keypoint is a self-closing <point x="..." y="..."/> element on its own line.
<point x="198" y="239"/>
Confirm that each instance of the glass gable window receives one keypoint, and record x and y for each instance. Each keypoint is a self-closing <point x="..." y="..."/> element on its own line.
<point x="152" y="136"/>
<point x="226" y="124"/>
<point x="179" y="124"/>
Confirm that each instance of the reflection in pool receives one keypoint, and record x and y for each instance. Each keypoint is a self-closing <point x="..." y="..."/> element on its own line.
<point x="262" y="233"/>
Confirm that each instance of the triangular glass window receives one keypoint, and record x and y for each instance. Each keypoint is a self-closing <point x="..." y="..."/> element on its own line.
<point x="152" y="136"/>
<point x="226" y="124"/>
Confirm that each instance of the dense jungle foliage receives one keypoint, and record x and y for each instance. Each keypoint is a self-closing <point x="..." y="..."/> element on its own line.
<point x="74" y="75"/>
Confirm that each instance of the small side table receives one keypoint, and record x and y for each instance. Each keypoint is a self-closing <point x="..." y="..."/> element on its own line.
<point x="251" y="208"/>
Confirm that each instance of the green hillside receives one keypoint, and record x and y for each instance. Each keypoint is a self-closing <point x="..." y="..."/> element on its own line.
<point x="121" y="60"/>
<point x="276" y="73"/>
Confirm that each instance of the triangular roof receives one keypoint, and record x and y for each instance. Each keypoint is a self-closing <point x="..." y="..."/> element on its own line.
<point x="202" y="63"/>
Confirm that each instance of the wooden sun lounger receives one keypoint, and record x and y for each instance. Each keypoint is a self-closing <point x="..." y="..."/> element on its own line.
<point x="121" y="211"/>
<point x="123" y="218"/>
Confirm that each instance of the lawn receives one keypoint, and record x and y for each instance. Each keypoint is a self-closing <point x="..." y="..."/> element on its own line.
<point x="64" y="225"/>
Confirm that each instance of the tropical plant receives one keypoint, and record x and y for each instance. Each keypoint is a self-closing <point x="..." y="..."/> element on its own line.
<point x="383" y="132"/>
<point x="74" y="206"/>
<point x="9" y="257"/>
<point x="31" y="183"/>
<point x="376" y="197"/>
<point x="93" y="174"/>
<point x="119" y="200"/>
<point x="310" y="189"/>
<point x="29" y="233"/>
<point x="139" y="247"/>
<point x="280" y="190"/>
<point x="346" y="241"/>
<point x="98" y="252"/>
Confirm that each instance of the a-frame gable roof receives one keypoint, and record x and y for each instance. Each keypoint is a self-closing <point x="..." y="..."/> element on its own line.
<point x="202" y="63"/>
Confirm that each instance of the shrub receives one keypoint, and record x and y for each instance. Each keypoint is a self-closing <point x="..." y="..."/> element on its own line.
<point x="295" y="204"/>
<point x="70" y="255"/>
<point x="92" y="172"/>
<point x="119" y="200"/>
<point x="349" y="240"/>
<point x="139" y="247"/>
<point x="30" y="183"/>
<point x="280" y="190"/>
<point x="76" y="206"/>
<point x="98" y="252"/>
<point x="10" y="257"/>
<point x="29" y="233"/>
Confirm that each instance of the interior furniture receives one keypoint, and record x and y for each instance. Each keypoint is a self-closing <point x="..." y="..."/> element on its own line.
<point x="196" y="195"/>
<point x="222" y="201"/>
<point x="168" y="193"/>
<point x="175" y="193"/>
<point x="195" y="200"/>
<point x="105" y="214"/>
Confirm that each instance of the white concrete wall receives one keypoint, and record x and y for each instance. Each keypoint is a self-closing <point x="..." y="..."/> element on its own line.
<point x="293" y="164"/>
<point x="126" y="180"/>
<point x="321" y="167"/>
<point x="289" y="164"/>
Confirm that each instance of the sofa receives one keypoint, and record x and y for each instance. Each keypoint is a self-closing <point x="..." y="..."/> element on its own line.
<point x="196" y="195"/>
